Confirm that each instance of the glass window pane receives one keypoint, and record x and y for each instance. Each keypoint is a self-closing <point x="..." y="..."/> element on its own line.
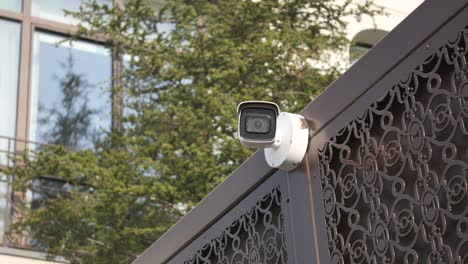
<point x="356" y="52"/>
<point x="9" y="69"/>
<point x="45" y="189"/>
<point x="54" y="9"/>
<point x="70" y="98"/>
<point x="11" y="5"/>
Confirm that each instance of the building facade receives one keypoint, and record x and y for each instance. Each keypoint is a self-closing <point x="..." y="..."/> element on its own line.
<point x="38" y="69"/>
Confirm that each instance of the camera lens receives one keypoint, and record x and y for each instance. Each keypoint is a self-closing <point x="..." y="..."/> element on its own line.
<point x="258" y="124"/>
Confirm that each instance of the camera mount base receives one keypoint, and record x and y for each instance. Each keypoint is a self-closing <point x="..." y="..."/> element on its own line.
<point x="291" y="140"/>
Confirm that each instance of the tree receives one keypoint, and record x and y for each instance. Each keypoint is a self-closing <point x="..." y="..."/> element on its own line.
<point x="180" y="90"/>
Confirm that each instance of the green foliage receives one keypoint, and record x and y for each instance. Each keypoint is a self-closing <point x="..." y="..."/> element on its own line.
<point x="106" y="210"/>
<point x="180" y="91"/>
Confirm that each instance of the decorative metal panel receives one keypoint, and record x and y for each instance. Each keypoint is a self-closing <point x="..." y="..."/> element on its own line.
<point x="252" y="232"/>
<point x="394" y="180"/>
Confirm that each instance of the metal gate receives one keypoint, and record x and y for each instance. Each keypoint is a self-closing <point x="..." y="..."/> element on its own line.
<point x="386" y="176"/>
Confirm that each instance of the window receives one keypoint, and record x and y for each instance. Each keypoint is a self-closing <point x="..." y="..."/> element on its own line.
<point x="54" y="9"/>
<point x="357" y="50"/>
<point x="70" y="95"/>
<point x="44" y="189"/>
<point x="363" y="42"/>
<point x="9" y="69"/>
<point x="11" y="5"/>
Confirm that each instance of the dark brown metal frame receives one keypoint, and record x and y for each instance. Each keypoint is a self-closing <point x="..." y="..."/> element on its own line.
<point x="277" y="180"/>
<point x="411" y="42"/>
<point x="425" y="31"/>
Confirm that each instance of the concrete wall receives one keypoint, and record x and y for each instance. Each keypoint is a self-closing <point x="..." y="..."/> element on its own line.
<point x="21" y="260"/>
<point x="20" y="256"/>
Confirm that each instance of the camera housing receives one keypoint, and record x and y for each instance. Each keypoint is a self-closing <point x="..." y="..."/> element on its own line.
<point x="284" y="136"/>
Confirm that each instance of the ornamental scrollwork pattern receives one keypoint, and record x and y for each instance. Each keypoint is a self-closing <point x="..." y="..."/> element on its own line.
<point x="256" y="237"/>
<point x="394" y="180"/>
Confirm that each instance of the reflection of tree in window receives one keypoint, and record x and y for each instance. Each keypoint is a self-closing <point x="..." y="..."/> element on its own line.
<point x="69" y="121"/>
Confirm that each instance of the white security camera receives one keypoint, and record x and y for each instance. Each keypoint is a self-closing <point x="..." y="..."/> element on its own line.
<point x="284" y="136"/>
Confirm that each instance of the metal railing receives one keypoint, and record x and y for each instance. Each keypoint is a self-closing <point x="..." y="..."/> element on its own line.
<point x="7" y="148"/>
<point x="14" y="147"/>
<point x="11" y="201"/>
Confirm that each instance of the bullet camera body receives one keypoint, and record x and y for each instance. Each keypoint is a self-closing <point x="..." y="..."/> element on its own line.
<point x="284" y="136"/>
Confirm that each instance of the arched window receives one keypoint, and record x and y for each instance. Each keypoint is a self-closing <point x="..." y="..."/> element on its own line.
<point x="364" y="41"/>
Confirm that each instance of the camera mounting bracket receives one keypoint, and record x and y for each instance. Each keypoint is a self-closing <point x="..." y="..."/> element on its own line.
<point x="291" y="140"/>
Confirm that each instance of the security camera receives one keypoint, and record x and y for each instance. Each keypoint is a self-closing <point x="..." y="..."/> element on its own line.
<point x="284" y="136"/>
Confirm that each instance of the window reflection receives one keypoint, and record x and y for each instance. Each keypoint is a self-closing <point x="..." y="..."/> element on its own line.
<point x="70" y="92"/>
<point x="11" y="5"/>
<point x="9" y="69"/>
<point x="54" y="9"/>
<point x="44" y="189"/>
